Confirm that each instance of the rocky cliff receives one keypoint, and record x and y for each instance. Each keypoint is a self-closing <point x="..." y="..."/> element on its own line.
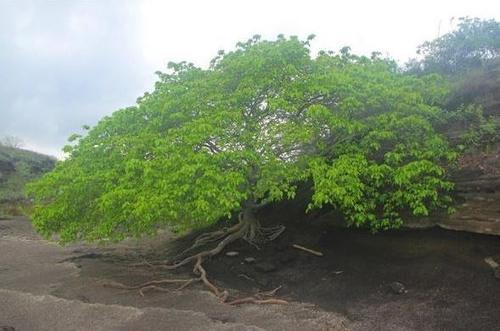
<point x="477" y="193"/>
<point x="478" y="178"/>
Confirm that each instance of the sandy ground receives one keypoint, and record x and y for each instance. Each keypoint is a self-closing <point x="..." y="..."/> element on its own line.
<point x="448" y="286"/>
<point x="47" y="287"/>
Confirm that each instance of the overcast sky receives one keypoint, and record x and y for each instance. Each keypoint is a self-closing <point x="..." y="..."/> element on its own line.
<point x="68" y="63"/>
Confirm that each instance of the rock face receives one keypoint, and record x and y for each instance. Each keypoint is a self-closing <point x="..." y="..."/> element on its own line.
<point x="480" y="210"/>
<point x="478" y="194"/>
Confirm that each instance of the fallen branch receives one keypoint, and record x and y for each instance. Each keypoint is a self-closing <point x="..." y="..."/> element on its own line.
<point x="313" y="252"/>
<point x="491" y="262"/>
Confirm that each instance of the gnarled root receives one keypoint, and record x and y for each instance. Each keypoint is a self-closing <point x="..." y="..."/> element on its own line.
<point x="156" y="284"/>
<point x="248" y="228"/>
<point x="257" y="301"/>
<point x="207" y="238"/>
<point x="260" y="299"/>
<point x="152" y="285"/>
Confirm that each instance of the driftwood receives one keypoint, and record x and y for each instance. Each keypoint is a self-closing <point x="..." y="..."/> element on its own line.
<point x="313" y="252"/>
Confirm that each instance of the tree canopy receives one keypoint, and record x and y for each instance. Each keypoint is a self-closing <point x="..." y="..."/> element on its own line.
<point x="474" y="44"/>
<point x="246" y="131"/>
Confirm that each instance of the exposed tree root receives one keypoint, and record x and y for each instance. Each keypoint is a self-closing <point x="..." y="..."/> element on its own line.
<point x="248" y="229"/>
<point x="268" y="293"/>
<point x="152" y="285"/>
<point x="260" y="298"/>
<point x="207" y="238"/>
<point x="257" y="301"/>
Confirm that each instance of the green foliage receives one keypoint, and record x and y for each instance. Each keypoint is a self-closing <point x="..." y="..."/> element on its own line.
<point x="245" y="132"/>
<point x="383" y="155"/>
<point x="478" y="131"/>
<point x="474" y="44"/>
<point x="17" y="167"/>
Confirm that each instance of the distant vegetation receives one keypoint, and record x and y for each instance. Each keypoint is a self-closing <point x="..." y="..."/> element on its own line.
<point x="469" y="58"/>
<point x="475" y="44"/>
<point x="11" y="141"/>
<point x="17" y="167"/>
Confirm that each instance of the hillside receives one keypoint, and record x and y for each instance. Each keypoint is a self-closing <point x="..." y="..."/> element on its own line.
<point x="17" y="167"/>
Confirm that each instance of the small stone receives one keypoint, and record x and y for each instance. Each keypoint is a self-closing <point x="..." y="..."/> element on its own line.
<point x="7" y="328"/>
<point x="265" y="267"/>
<point x="397" y="288"/>
<point x="497" y="272"/>
<point x="249" y="260"/>
<point x="232" y="253"/>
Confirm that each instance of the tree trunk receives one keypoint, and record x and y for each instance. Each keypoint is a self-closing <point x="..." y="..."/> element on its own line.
<point x="250" y="224"/>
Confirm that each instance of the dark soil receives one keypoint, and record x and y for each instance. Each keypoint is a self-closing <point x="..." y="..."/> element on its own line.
<point x="447" y="284"/>
<point x="403" y="280"/>
<point x="429" y="279"/>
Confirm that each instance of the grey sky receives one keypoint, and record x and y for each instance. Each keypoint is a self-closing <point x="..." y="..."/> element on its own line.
<point x="68" y="63"/>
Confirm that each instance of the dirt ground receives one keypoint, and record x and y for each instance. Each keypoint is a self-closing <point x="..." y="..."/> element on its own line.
<point x="47" y="287"/>
<point x="447" y="284"/>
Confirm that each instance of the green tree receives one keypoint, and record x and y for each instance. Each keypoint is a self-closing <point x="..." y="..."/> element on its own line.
<point x="468" y="58"/>
<point x="262" y="119"/>
<point x="474" y="44"/>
